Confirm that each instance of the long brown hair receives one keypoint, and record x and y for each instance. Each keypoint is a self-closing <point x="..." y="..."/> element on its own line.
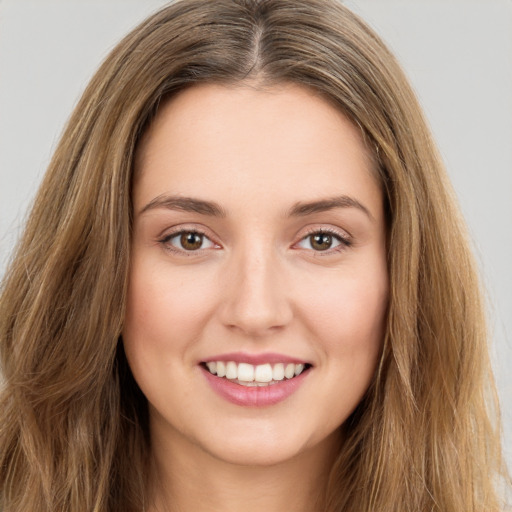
<point x="73" y="423"/>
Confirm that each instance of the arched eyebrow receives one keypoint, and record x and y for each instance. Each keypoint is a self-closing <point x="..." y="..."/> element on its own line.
<point x="185" y="204"/>
<point x="302" y="209"/>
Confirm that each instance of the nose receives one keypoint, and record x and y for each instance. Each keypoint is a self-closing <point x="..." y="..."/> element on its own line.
<point x="256" y="300"/>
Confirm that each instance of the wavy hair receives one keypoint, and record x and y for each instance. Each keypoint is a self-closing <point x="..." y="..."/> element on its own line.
<point x="73" y="423"/>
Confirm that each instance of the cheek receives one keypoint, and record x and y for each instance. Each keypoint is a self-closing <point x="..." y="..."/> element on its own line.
<point x="166" y="309"/>
<point x="347" y="317"/>
<point x="350" y="327"/>
<point x="348" y="311"/>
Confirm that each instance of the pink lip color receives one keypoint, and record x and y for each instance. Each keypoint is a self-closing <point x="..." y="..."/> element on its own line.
<point x="255" y="359"/>
<point x="254" y="396"/>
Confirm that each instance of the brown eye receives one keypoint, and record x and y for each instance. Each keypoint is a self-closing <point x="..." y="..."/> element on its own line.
<point x="191" y="241"/>
<point x="320" y="241"/>
<point x="188" y="241"/>
<point x="324" y="241"/>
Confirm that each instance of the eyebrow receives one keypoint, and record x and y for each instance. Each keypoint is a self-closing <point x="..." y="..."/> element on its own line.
<point x="185" y="204"/>
<point x="302" y="209"/>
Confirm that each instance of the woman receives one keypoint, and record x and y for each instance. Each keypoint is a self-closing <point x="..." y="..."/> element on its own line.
<point x="244" y="283"/>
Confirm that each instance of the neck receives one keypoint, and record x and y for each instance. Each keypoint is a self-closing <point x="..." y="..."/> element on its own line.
<point x="186" y="478"/>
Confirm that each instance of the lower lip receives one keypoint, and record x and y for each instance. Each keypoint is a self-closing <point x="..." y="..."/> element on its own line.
<point x="254" y="396"/>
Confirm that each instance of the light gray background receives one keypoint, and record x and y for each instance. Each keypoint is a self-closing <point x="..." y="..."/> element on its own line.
<point x="457" y="53"/>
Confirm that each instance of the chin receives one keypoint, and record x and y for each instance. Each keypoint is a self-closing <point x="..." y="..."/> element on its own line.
<point x="266" y="447"/>
<point x="254" y="454"/>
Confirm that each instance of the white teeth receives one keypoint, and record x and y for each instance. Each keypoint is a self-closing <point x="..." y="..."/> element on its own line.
<point x="256" y="384"/>
<point x="245" y="372"/>
<point x="251" y="375"/>
<point x="278" y="372"/>
<point x="221" y="369"/>
<point x="289" y="371"/>
<point x="263" y="373"/>
<point x="231" y="370"/>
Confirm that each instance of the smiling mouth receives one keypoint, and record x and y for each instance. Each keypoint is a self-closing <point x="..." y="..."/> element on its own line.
<point x="260" y="375"/>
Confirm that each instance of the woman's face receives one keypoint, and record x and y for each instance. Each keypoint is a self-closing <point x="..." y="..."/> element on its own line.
<point x="258" y="250"/>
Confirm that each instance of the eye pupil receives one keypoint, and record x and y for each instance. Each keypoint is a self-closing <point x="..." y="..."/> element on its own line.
<point x="191" y="241"/>
<point x="321" y="241"/>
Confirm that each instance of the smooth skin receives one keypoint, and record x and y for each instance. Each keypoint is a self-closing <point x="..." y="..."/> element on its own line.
<point x="258" y="227"/>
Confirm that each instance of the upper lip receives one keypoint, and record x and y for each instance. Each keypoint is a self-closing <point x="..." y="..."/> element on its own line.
<point x="255" y="359"/>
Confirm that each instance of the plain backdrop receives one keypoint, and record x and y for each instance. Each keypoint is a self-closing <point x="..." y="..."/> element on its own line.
<point x="457" y="53"/>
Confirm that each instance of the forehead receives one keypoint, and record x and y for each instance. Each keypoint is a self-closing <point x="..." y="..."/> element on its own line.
<point x="284" y="141"/>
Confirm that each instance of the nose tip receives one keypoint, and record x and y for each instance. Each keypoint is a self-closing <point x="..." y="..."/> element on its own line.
<point x="256" y="300"/>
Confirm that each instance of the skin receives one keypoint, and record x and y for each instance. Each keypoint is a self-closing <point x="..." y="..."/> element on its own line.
<point x="255" y="285"/>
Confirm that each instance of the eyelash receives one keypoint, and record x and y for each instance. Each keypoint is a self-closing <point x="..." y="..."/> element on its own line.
<point x="344" y="241"/>
<point x="165" y="241"/>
